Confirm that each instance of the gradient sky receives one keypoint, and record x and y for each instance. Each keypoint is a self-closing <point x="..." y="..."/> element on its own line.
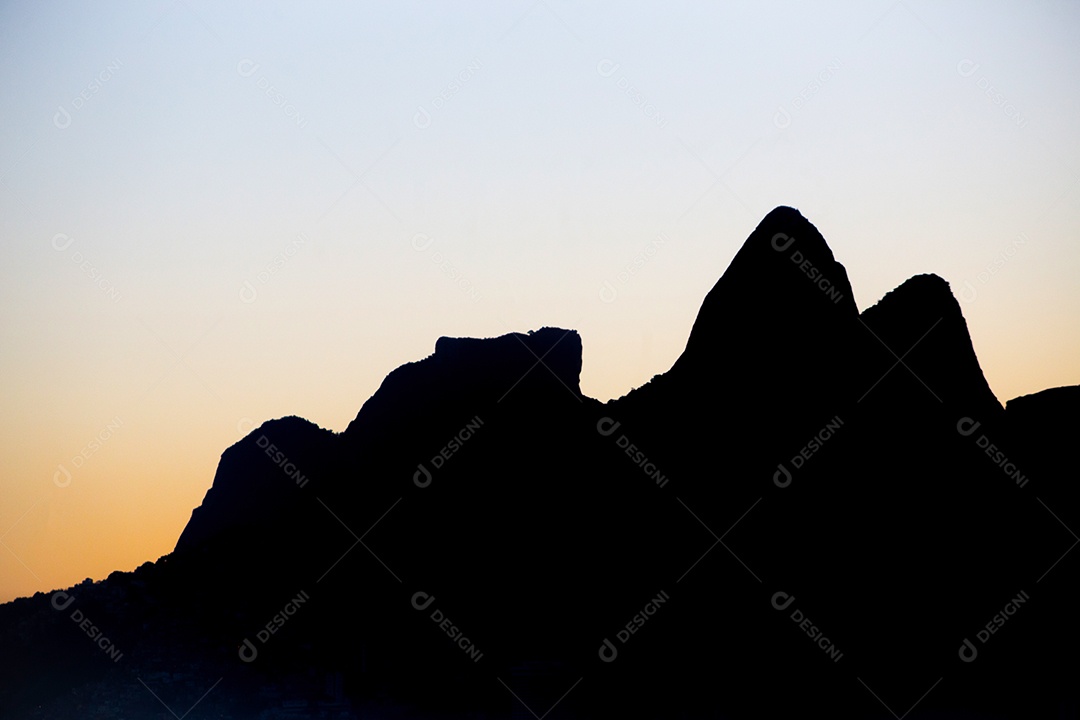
<point x="212" y="217"/>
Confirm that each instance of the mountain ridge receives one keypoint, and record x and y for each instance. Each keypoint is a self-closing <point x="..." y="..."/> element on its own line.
<point x="484" y="538"/>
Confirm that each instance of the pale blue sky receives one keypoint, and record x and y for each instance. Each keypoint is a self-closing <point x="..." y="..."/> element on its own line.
<point x="224" y="227"/>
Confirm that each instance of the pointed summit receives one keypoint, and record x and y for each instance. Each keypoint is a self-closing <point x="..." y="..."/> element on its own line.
<point x="795" y="231"/>
<point x="782" y="284"/>
<point x="786" y="246"/>
<point x="927" y="294"/>
<point x="771" y="337"/>
<point x="505" y="524"/>
<point x="921" y="322"/>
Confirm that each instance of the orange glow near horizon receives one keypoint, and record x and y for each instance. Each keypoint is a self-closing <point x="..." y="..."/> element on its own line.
<point x="135" y="480"/>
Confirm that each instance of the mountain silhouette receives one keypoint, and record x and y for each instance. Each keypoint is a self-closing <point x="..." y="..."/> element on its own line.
<point x="814" y="511"/>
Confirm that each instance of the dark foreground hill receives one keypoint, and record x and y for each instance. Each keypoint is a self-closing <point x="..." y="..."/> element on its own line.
<point x="814" y="512"/>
